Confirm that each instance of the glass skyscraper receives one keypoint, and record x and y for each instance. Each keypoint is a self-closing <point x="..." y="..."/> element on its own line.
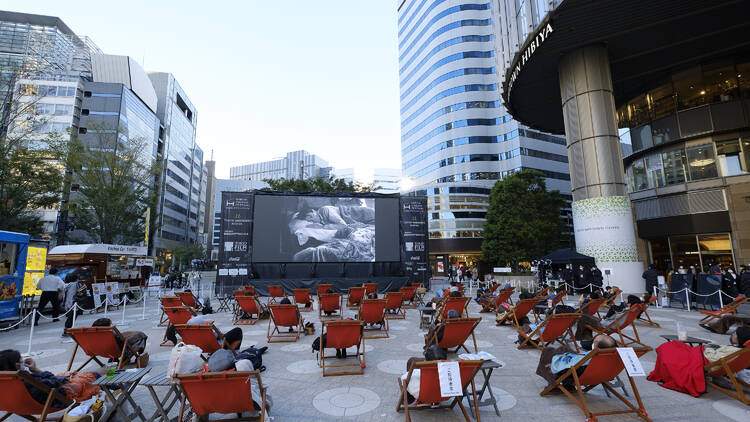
<point x="456" y="138"/>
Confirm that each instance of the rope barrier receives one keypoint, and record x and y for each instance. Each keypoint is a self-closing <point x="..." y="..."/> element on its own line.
<point x="16" y="324"/>
<point x="61" y="315"/>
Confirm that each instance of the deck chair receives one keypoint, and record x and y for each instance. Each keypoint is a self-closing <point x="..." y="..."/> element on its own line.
<point x="611" y="300"/>
<point x="457" y="304"/>
<point x="343" y="334"/>
<point x="247" y="305"/>
<point x="592" y="307"/>
<point x="250" y="289"/>
<point x="429" y="388"/>
<point x="518" y="311"/>
<point x="488" y="295"/>
<point x="542" y="293"/>
<point x="394" y="305"/>
<point x="409" y="293"/>
<point x="602" y="367"/>
<point x="16" y="400"/>
<point x="189" y="299"/>
<point x="620" y="323"/>
<point x="222" y="392"/>
<point x="644" y="317"/>
<point x="283" y="316"/>
<point x="455" y="333"/>
<point x="176" y="315"/>
<point x="206" y="336"/>
<point x="302" y="297"/>
<point x="356" y="294"/>
<point x="276" y="292"/>
<point x="553" y="329"/>
<point x="492" y="303"/>
<point x="99" y="342"/>
<point x="730" y="308"/>
<point x="372" y="312"/>
<point x="168" y="302"/>
<point x="323" y="288"/>
<point x="728" y="366"/>
<point x="330" y="302"/>
<point x="371" y="288"/>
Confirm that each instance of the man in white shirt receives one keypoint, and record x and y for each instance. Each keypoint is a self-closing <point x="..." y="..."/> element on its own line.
<point x="51" y="286"/>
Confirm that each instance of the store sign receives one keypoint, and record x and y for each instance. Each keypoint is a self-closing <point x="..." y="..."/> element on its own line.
<point x="144" y="262"/>
<point x="527" y="52"/>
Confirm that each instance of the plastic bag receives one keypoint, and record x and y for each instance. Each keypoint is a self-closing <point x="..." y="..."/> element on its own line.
<point x="184" y="359"/>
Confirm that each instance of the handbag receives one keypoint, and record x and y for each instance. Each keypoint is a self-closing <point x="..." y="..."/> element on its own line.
<point x="92" y="416"/>
<point x="142" y="360"/>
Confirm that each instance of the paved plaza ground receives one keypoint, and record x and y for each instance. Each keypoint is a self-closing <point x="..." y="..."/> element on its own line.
<point x="300" y="392"/>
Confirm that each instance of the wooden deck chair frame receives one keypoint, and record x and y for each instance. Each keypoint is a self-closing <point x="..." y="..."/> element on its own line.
<point x="729" y="308"/>
<point x="360" y="354"/>
<point x="328" y="298"/>
<point x="511" y="315"/>
<point x="221" y="342"/>
<point x="410" y="293"/>
<point x="474" y="322"/>
<point x="250" y="289"/>
<point x="275" y="291"/>
<point x="322" y="288"/>
<point x="728" y="366"/>
<point x="276" y="312"/>
<point x="592" y="359"/>
<point x="543" y="292"/>
<point x="403" y="403"/>
<point x="244" y="306"/>
<point x="82" y="331"/>
<point x="611" y="300"/>
<point x="537" y="337"/>
<point x="623" y="321"/>
<point x="644" y="317"/>
<point x="355" y="292"/>
<point x="189" y="299"/>
<point x="370" y="288"/>
<point x="168" y="302"/>
<point x="492" y="303"/>
<point x="208" y="377"/>
<point x="22" y="400"/>
<point x="452" y="302"/>
<point x="167" y="311"/>
<point x="299" y="296"/>
<point x="367" y="316"/>
<point x="400" y="312"/>
<point x="592" y="307"/>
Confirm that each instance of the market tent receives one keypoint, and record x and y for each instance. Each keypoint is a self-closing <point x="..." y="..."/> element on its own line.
<point x="568" y="256"/>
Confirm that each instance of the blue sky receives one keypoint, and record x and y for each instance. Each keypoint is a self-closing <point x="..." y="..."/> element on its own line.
<point x="267" y="77"/>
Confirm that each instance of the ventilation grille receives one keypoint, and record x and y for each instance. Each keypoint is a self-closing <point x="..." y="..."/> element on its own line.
<point x="683" y="204"/>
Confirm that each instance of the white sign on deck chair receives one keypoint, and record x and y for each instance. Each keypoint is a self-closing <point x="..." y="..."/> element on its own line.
<point x="449" y="374"/>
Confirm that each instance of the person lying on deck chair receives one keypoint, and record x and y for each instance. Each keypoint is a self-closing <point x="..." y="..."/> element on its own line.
<point x="233" y="336"/>
<point x="554" y="360"/>
<point x="136" y="339"/>
<point x="439" y="327"/>
<point x="583" y="332"/>
<point x="726" y="323"/>
<point x="433" y="352"/>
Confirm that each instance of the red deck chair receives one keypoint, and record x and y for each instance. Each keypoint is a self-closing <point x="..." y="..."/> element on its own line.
<point x="518" y="311"/>
<point x="417" y="285"/>
<point x="409" y="293"/>
<point x="249" y="289"/>
<point x="189" y="299"/>
<point x="623" y="321"/>
<point x="592" y="307"/>
<point x="276" y="292"/>
<point x="302" y="298"/>
<point x="550" y="330"/>
<point x="176" y="315"/>
<point x="168" y="302"/>
<point x="206" y="336"/>
<point x="99" y="342"/>
<point x="16" y="400"/>
<point x="491" y="304"/>
<point x="429" y="388"/>
<point x="394" y="305"/>
<point x="371" y="288"/>
<point x="457" y="304"/>
<point x="247" y="305"/>
<point x="728" y="366"/>
<point x="356" y="294"/>
<point x="730" y="308"/>
<point x="455" y="334"/>
<point x="611" y="300"/>
<point x="542" y="292"/>
<point x="323" y="288"/>
<point x="222" y="392"/>
<point x="372" y="312"/>
<point x="283" y="316"/>
<point x="604" y="365"/>
<point x="644" y="317"/>
<point x="343" y="335"/>
<point x="331" y="302"/>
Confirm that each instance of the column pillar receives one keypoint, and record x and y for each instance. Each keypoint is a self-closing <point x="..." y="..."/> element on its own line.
<point x="602" y="217"/>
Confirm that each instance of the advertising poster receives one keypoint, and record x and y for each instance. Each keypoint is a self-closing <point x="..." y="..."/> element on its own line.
<point x="13" y="249"/>
<point x="413" y="226"/>
<point x="112" y="290"/>
<point x="36" y="261"/>
<point x="97" y="290"/>
<point x="235" y="248"/>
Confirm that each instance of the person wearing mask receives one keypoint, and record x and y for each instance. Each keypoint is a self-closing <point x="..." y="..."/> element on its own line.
<point x="588" y="279"/>
<point x="596" y="278"/>
<point x="51" y="286"/>
<point x="744" y="281"/>
<point x="567" y="276"/>
<point x="729" y="282"/>
<point x="652" y="278"/>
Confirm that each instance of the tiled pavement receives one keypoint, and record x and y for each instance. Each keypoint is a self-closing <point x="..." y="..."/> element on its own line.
<point x="301" y="393"/>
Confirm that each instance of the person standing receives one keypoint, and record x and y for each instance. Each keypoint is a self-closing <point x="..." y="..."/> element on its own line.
<point x="580" y="278"/>
<point x="744" y="281"/>
<point x="73" y="293"/>
<point x="652" y="278"/>
<point x="51" y="286"/>
<point x="567" y="276"/>
<point x="596" y="278"/>
<point x="730" y="282"/>
<point x="460" y="274"/>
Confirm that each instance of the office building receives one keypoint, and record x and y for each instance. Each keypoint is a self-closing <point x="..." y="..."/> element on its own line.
<point x="672" y="77"/>
<point x="208" y="216"/>
<point x="226" y="185"/>
<point x="386" y="180"/>
<point x="457" y="139"/>
<point x="294" y="165"/>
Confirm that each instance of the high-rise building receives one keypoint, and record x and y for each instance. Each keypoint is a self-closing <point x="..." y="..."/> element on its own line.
<point x="295" y="165"/>
<point x="386" y="180"/>
<point x="457" y="139"/>
<point x="208" y="216"/>
<point x="226" y="185"/>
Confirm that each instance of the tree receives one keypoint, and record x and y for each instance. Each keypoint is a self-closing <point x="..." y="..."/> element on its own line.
<point x="523" y="219"/>
<point x="113" y="184"/>
<point x="184" y="255"/>
<point x="316" y="184"/>
<point x="31" y="176"/>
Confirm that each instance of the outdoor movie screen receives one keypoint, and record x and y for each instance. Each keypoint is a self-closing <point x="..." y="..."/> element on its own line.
<point x="325" y="229"/>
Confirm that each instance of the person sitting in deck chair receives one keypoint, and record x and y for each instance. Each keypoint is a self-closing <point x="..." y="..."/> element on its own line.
<point x="433" y="352"/>
<point x="233" y="336"/>
<point x="286" y="301"/>
<point x="554" y="360"/>
<point x="136" y="339"/>
<point x="439" y="327"/>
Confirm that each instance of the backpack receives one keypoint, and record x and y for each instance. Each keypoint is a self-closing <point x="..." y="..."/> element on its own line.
<point x="253" y="355"/>
<point x="316" y="343"/>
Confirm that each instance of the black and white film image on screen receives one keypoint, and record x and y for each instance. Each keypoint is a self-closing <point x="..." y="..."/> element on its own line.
<point x="328" y="229"/>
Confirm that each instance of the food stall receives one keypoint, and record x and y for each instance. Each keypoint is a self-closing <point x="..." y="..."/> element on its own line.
<point x="13" y="248"/>
<point x="102" y="263"/>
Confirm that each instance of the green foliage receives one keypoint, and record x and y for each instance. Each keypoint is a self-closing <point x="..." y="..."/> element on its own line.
<point x="316" y="184"/>
<point x="183" y="255"/>
<point x="523" y="219"/>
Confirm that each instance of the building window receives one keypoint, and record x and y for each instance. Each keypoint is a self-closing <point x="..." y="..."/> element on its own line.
<point x="730" y="157"/>
<point x="655" y="171"/>
<point x="701" y="162"/>
<point x="689" y="88"/>
<point x="640" y="181"/>
<point x="674" y="166"/>
<point x="721" y="82"/>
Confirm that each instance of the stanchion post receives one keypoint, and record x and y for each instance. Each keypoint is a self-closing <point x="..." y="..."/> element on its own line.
<point x="656" y="295"/>
<point x="124" y="303"/>
<point x="721" y="300"/>
<point x="31" y="331"/>
<point x="106" y="302"/>
<point x="75" y="308"/>
<point x="143" y="314"/>
<point x="687" y="298"/>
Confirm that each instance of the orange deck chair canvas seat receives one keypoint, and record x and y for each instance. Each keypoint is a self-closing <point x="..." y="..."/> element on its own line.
<point x="276" y="292"/>
<point x="394" y="302"/>
<point x="168" y="302"/>
<point x="592" y="307"/>
<point x="323" y="289"/>
<point x="371" y="313"/>
<point x="247" y="306"/>
<point x="250" y="289"/>
<point x="491" y="303"/>
<point x="330" y="306"/>
<point x="518" y="311"/>
<point x="301" y="299"/>
<point x="619" y="324"/>
<point x="283" y="316"/>
<point x="455" y="333"/>
<point x="343" y="334"/>
<point x="371" y="288"/>
<point x="457" y="304"/>
<point x="429" y="388"/>
<point x="728" y="366"/>
<point x="356" y="294"/>
<point x="550" y="330"/>
<point x="16" y="400"/>
<point x="222" y="392"/>
<point x="206" y="336"/>
<point x="189" y="299"/>
<point x="176" y="315"/>
<point x="99" y="342"/>
<point x="730" y="308"/>
<point x="409" y="296"/>
<point x="644" y="317"/>
<point x="602" y="367"/>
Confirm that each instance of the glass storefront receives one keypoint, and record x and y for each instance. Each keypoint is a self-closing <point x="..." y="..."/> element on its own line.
<point x="699" y="251"/>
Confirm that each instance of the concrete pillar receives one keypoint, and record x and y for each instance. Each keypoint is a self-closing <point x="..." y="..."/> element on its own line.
<point x="602" y="217"/>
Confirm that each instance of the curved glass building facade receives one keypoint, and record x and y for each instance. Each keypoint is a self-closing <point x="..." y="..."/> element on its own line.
<point x="456" y="138"/>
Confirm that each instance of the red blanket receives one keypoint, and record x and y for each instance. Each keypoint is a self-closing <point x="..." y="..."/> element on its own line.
<point x="679" y="367"/>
